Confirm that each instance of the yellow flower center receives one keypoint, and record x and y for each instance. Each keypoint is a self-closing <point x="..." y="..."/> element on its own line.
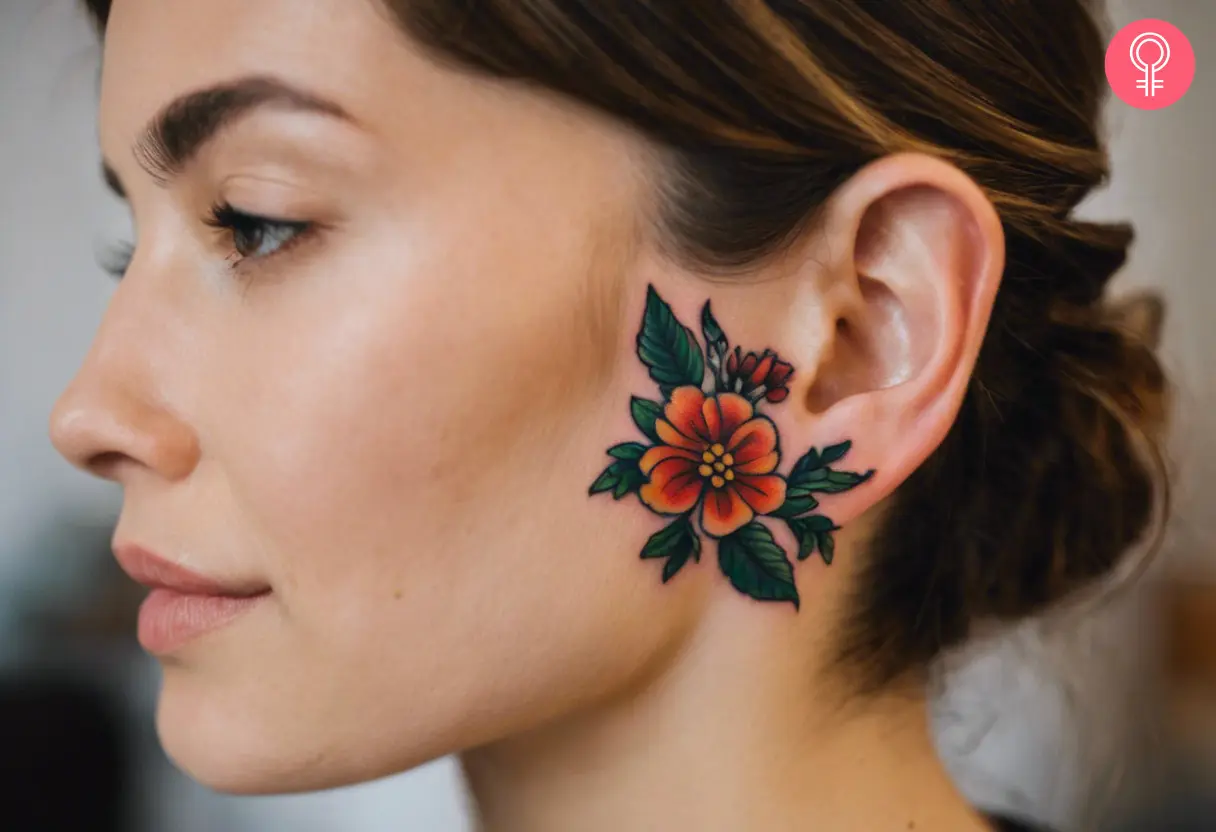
<point x="717" y="465"/>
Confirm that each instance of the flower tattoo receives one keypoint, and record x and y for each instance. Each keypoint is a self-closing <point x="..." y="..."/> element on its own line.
<point x="757" y="377"/>
<point x="712" y="461"/>
<point x="715" y="454"/>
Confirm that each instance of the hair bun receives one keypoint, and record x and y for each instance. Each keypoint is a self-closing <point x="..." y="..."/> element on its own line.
<point x="1100" y="471"/>
<point x="1061" y="427"/>
<point x="1090" y="254"/>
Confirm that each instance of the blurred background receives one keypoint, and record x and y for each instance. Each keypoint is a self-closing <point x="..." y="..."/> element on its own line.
<point x="1069" y="721"/>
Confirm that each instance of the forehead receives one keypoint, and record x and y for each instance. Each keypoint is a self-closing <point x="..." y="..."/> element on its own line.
<point x="157" y="50"/>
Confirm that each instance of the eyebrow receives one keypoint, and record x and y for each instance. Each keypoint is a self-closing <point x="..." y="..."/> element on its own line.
<point x="183" y="127"/>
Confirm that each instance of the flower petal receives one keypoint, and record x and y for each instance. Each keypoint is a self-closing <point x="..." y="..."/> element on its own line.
<point x="724" y="511"/>
<point x="675" y="439"/>
<point x="766" y="464"/>
<point x="752" y="441"/>
<point x="762" y="369"/>
<point x="684" y="413"/>
<point x="674" y="487"/>
<point x="724" y="413"/>
<point x="777" y="394"/>
<point x="780" y="374"/>
<point x="763" y="494"/>
<point x="660" y="453"/>
<point x="748" y="365"/>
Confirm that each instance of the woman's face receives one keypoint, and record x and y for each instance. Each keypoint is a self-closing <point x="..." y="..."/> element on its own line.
<point x="386" y="407"/>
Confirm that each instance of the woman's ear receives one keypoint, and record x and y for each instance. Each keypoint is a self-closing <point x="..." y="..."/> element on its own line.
<point x="907" y="259"/>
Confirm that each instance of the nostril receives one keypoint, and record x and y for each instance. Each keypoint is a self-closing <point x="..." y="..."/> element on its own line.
<point x="105" y="464"/>
<point x="106" y="429"/>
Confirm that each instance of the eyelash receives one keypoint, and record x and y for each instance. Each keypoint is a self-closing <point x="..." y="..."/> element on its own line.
<point x="234" y="223"/>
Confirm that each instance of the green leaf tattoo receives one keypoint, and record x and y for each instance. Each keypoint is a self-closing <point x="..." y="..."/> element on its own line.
<point x="811" y="532"/>
<point x="628" y="451"/>
<point x="621" y="477"/>
<point x="795" y="504"/>
<point x="715" y="347"/>
<point x="827" y="547"/>
<point x="832" y="482"/>
<point x="677" y="542"/>
<point x="719" y="476"/>
<point x="811" y="473"/>
<point x="645" y="413"/>
<point x="834" y="453"/>
<point x="668" y="347"/>
<point x="757" y="566"/>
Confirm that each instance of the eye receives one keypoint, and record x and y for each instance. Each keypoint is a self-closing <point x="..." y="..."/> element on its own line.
<point x="117" y="259"/>
<point x="255" y="237"/>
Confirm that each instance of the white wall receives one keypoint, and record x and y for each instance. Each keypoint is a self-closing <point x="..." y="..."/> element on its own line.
<point x="1165" y="183"/>
<point x="1008" y="722"/>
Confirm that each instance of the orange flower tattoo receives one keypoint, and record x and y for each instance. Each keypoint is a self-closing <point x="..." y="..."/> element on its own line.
<point x="713" y="448"/>
<point x="714" y="458"/>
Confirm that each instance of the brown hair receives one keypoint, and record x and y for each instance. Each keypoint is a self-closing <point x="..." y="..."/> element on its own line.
<point x="764" y="107"/>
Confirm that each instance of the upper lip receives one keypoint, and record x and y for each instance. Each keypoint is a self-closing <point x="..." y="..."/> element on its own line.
<point x="155" y="572"/>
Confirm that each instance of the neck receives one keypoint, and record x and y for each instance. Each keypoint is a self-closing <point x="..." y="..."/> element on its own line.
<point x="738" y="732"/>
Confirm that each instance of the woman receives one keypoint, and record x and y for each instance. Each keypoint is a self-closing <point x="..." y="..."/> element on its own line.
<point x="634" y="398"/>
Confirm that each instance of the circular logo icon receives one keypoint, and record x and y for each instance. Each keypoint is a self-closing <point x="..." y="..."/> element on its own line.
<point x="1150" y="64"/>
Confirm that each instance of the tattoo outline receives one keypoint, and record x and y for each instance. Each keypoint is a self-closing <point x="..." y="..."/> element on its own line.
<point x="711" y="465"/>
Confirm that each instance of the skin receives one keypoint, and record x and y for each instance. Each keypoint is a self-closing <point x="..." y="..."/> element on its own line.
<point x="392" y="424"/>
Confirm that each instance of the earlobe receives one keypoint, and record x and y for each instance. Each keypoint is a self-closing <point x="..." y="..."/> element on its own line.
<point x="919" y="256"/>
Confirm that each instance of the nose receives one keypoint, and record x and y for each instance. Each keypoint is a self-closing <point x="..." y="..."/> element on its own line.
<point x="111" y="420"/>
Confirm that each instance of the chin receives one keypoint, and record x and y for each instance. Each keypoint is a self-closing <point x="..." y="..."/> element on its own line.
<point x="228" y="759"/>
<point x="256" y="744"/>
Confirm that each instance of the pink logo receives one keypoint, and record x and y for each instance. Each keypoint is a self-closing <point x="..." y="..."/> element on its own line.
<point x="1150" y="64"/>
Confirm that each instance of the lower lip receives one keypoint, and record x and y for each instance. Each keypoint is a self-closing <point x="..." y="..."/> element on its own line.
<point x="168" y="619"/>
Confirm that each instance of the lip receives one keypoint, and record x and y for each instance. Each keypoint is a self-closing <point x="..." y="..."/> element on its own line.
<point x="155" y="572"/>
<point x="183" y="604"/>
<point x="169" y="620"/>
